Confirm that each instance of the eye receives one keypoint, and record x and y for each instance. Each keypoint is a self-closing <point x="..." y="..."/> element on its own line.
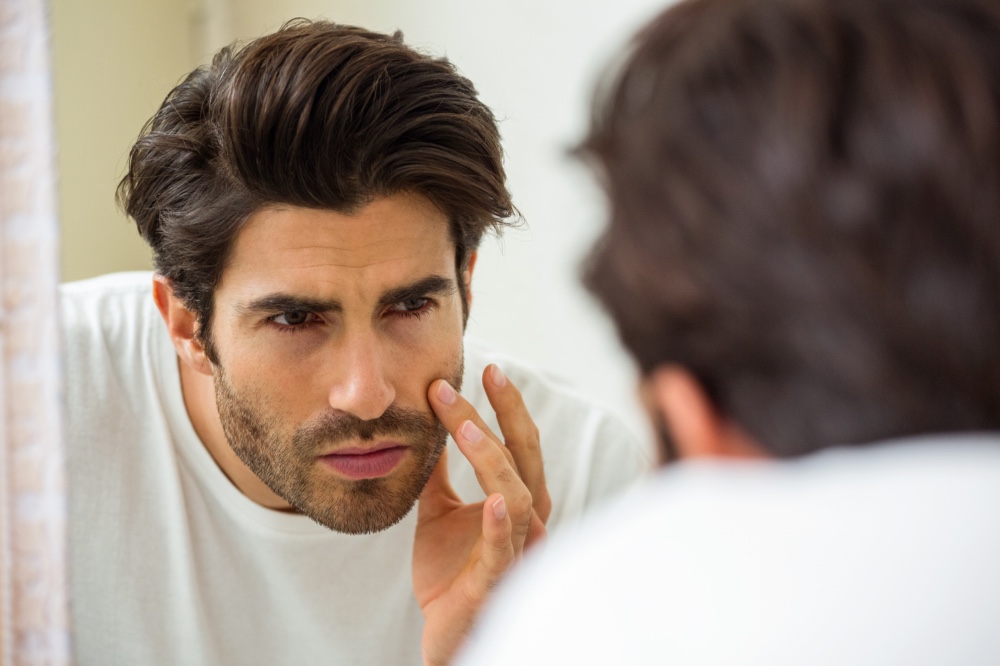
<point x="292" y="318"/>
<point x="412" y="304"/>
<point x="411" y="307"/>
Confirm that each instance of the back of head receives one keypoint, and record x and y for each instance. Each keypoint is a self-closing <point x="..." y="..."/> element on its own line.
<point x="805" y="202"/>
<point x="316" y="115"/>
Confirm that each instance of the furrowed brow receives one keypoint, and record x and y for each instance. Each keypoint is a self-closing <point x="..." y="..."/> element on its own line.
<point x="434" y="285"/>
<point x="286" y="303"/>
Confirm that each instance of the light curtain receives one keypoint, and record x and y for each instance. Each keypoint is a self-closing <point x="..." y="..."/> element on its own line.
<point x="33" y="580"/>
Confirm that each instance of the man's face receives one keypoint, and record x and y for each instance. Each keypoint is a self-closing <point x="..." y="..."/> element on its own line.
<point x="329" y="329"/>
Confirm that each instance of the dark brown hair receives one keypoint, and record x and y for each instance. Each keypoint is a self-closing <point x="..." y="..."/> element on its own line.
<point x="316" y="115"/>
<point x="805" y="212"/>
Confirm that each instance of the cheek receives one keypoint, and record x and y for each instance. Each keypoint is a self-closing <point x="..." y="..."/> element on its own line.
<point x="268" y="371"/>
<point x="425" y="358"/>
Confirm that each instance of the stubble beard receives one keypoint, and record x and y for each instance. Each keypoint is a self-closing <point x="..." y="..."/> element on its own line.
<point x="287" y="463"/>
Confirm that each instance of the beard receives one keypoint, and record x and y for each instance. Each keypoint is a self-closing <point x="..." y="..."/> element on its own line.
<point x="286" y="459"/>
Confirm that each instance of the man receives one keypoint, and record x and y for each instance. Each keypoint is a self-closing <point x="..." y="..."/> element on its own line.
<point x="243" y="477"/>
<point x="804" y="259"/>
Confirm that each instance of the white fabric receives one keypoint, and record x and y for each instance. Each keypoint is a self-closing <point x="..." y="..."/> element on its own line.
<point x="885" y="555"/>
<point x="171" y="564"/>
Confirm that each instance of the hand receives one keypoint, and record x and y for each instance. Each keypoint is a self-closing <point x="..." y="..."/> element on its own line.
<point x="461" y="551"/>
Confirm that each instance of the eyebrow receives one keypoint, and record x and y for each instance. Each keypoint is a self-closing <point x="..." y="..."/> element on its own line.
<point x="434" y="285"/>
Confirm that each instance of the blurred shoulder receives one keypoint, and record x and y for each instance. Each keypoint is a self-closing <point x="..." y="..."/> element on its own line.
<point x="774" y="556"/>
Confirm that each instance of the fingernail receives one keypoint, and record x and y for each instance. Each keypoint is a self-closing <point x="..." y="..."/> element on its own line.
<point x="499" y="380"/>
<point x="446" y="393"/>
<point x="470" y="432"/>
<point x="499" y="509"/>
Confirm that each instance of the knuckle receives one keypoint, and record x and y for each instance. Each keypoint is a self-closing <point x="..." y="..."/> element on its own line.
<point x="521" y="505"/>
<point x="534" y="438"/>
<point x="494" y="581"/>
<point x="493" y="572"/>
<point x="526" y="438"/>
<point x="510" y="459"/>
<point x="466" y="412"/>
<point x="475" y="594"/>
<point x="503" y="554"/>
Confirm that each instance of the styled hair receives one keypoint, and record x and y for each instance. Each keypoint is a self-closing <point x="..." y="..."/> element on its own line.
<point x="805" y="213"/>
<point x="316" y="115"/>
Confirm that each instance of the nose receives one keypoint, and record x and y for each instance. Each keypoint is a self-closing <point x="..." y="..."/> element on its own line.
<point x="361" y="386"/>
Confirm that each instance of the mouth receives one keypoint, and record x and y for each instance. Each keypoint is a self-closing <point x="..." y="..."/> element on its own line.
<point x="366" y="463"/>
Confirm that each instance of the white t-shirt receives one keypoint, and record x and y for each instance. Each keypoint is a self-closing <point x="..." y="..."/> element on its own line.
<point x="883" y="555"/>
<point x="171" y="564"/>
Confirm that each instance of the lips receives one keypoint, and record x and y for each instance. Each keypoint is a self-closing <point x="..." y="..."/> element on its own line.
<point x="366" y="463"/>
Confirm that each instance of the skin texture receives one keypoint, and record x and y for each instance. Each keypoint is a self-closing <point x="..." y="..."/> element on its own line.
<point x="364" y="370"/>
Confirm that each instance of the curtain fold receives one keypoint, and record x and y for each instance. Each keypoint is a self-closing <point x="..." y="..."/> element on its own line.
<point x="34" y="625"/>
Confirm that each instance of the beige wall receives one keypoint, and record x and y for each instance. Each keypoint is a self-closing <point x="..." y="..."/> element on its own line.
<point x="114" y="60"/>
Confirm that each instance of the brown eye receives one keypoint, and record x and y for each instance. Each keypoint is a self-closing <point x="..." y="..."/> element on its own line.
<point x="293" y="318"/>
<point x="410" y="307"/>
<point x="411" y="304"/>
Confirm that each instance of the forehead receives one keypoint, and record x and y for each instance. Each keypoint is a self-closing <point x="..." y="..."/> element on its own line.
<point x="390" y="240"/>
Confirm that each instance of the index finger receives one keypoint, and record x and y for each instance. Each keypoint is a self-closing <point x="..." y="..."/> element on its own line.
<point x="491" y="461"/>
<point x="453" y="410"/>
<point x="520" y="434"/>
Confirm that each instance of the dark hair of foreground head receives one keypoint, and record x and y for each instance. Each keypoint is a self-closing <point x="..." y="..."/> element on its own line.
<point x="316" y="115"/>
<point x="805" y="213"/>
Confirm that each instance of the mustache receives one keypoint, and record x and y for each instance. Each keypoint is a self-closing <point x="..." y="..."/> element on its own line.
<point x="335" y="428"/>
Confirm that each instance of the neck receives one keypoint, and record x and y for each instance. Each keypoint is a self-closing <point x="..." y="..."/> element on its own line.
<point x="198" y="390"/>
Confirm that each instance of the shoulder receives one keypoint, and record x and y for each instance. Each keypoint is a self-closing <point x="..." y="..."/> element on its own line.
<point x="113" y="312"/>
<point x="106" y="303"/>
<point x="862" y="553"/>
<point x="111" y="332"/>
<point x="568" y="602"/>
<point x="125" y="285"/>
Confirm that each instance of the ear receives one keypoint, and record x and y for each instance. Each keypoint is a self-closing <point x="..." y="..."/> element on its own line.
<point x="182" y="325"/>
<point x="467" y="276"/>
<point x="694" y="423"/>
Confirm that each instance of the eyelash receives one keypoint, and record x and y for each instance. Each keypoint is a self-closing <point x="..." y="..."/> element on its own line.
<point x="418" y="313"/>
<point x="314" y="318"/>
<point x="292" y="328"/>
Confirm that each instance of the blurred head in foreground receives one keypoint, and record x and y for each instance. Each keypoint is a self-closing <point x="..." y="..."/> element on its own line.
<point x="804" y="247"/>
